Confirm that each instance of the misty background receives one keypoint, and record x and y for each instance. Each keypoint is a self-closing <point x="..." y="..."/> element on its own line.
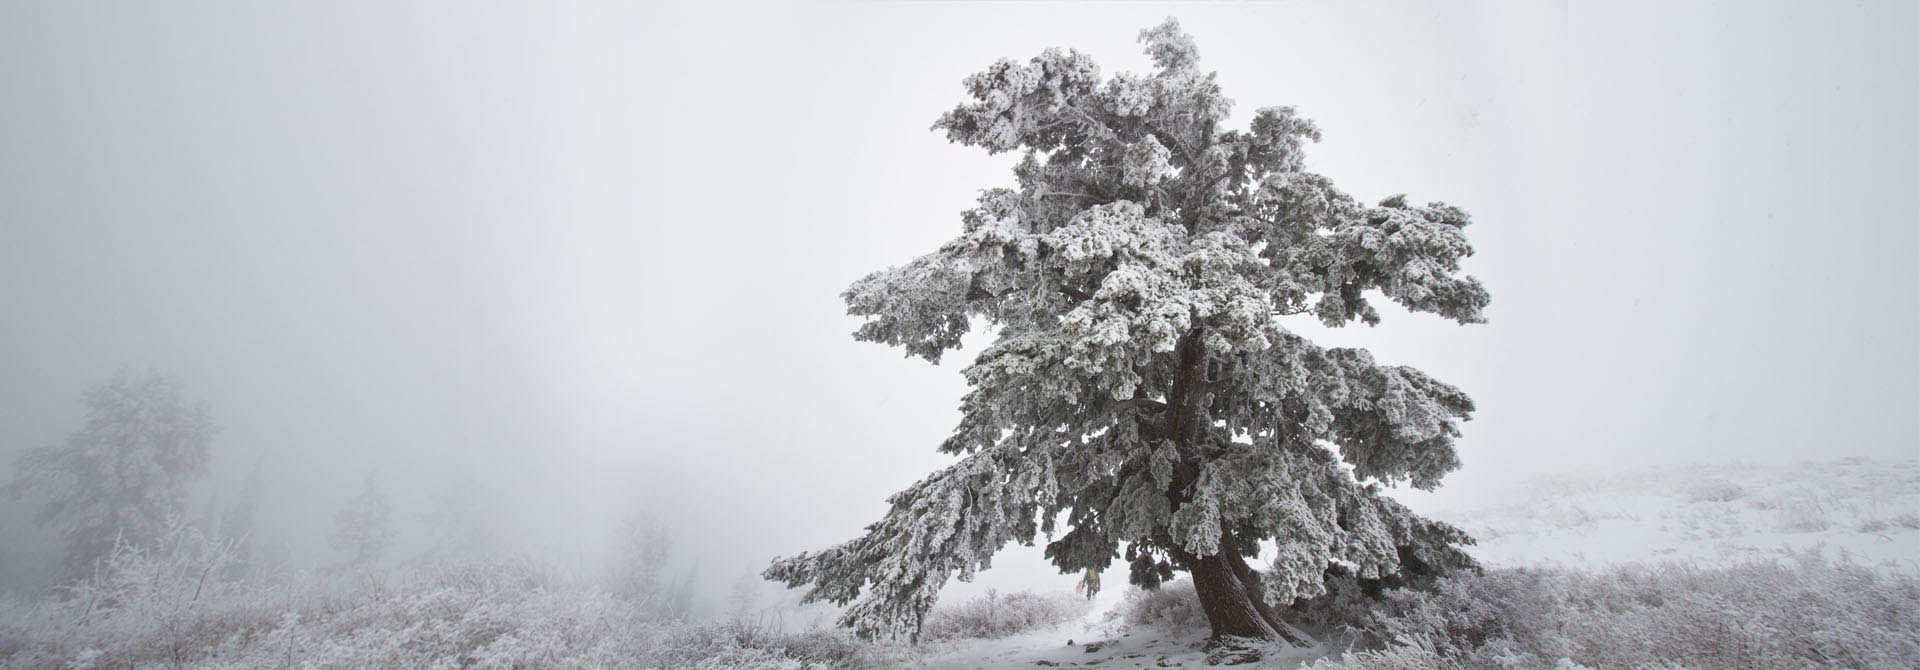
<point x="585" y="260"/>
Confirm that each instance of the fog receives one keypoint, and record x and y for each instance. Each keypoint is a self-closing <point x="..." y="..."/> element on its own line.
<point x="586" y="260"/>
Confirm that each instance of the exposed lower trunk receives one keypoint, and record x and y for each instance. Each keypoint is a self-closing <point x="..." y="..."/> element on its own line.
<point x="1223" y="597"/>
<point x="1251" y="584"/>
<point x="1230" y="596"/>
<point x="1229" y="591"/>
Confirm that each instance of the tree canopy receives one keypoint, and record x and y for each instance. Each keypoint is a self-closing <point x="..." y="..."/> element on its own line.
<point x="124" y="472"/>
<point x="1142" y="398"/>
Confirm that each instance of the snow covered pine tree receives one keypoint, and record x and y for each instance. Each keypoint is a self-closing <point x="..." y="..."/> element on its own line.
<point x="122" y="477"/>
<point x="1141" y="379"/>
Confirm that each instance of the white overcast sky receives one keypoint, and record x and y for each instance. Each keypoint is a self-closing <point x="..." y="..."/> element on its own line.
<point x="592" y="253"/>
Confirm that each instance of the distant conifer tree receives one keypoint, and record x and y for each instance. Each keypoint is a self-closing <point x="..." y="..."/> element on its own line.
<point x="124" y="473"/>
<point x="363" y="530"/>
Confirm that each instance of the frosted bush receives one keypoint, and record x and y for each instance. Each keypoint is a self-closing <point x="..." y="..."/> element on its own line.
<point x="1713" y="490"/>
<point x="743" y="644"/>
<point x="1567" y="517"/>
<point x="24" y="630"/>
<point x="1418" y="658"/>
<point x="1803" y="516"/>
<point x="1173" y="606"/>
<point x="994" y="614"/>
<point x="1805" y="613"/>
<point x="1405" y="657"/>
<point x="169" y="607"/>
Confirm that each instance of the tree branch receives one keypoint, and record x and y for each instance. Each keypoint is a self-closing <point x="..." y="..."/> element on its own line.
<point x="1134" y="403"/>
<point x="1097" y="126"/>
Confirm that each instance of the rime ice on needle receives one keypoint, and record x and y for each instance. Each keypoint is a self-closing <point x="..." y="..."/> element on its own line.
<point x="1142" y="381"/>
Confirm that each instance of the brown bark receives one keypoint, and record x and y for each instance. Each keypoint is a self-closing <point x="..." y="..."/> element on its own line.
<point x="1228" y="589"/>
<point x="1223" y="597"/>
<point x="1229" y="593"/>
<point x="1251" y="583"/>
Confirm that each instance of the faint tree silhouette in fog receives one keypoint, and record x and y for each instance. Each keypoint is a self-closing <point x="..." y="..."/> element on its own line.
<point x="124" y="473"/>
<point x="639" y="573"/>
<point x="364" y="528"/>
<point x="462" y="522"/>
<point x="240" y="519"/>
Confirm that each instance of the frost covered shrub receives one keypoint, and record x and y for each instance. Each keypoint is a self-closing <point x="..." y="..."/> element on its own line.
<point x="745" y="644"/>
<point x="1402" y="657"/>
<point x="1805" y="613"/>
<point x="23" y="630"/>
<point x="503" y="614"/>
<point x="1415" y="658"/>
<point x="171" y="601"/>
<point x="999" y="615"/>
<point x="1713" y="490"/>
<point x="1804" y="516"/>
<point x="1173" y="606"/>
<point x="1349" y="610"/>
<point x="160" y="608"/>
<point x="168" y="607"/>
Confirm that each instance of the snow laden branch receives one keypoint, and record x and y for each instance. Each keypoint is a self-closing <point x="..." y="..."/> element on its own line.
<point x="948" y="524"/>
<point x="1143" y="399"/>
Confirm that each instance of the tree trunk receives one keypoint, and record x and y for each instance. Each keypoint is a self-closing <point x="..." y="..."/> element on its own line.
<point x="1230" y="596"/>
<point x="1250" y="582"/>
<point x="1229" y="590"/>
<point x="1224" y="599"/>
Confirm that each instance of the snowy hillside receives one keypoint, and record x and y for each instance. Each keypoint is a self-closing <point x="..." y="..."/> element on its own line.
<point x="1863" y="512"/>
<point x="1869" y="510"/>
<point x="1701" y="567"/>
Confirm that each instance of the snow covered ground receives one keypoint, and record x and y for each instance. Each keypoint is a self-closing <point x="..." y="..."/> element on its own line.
<point x="1731" y="521"/>
<point x="1865" y="511"/>
<point x="1090" y="643"/>
<point x="1099" y="640"/>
